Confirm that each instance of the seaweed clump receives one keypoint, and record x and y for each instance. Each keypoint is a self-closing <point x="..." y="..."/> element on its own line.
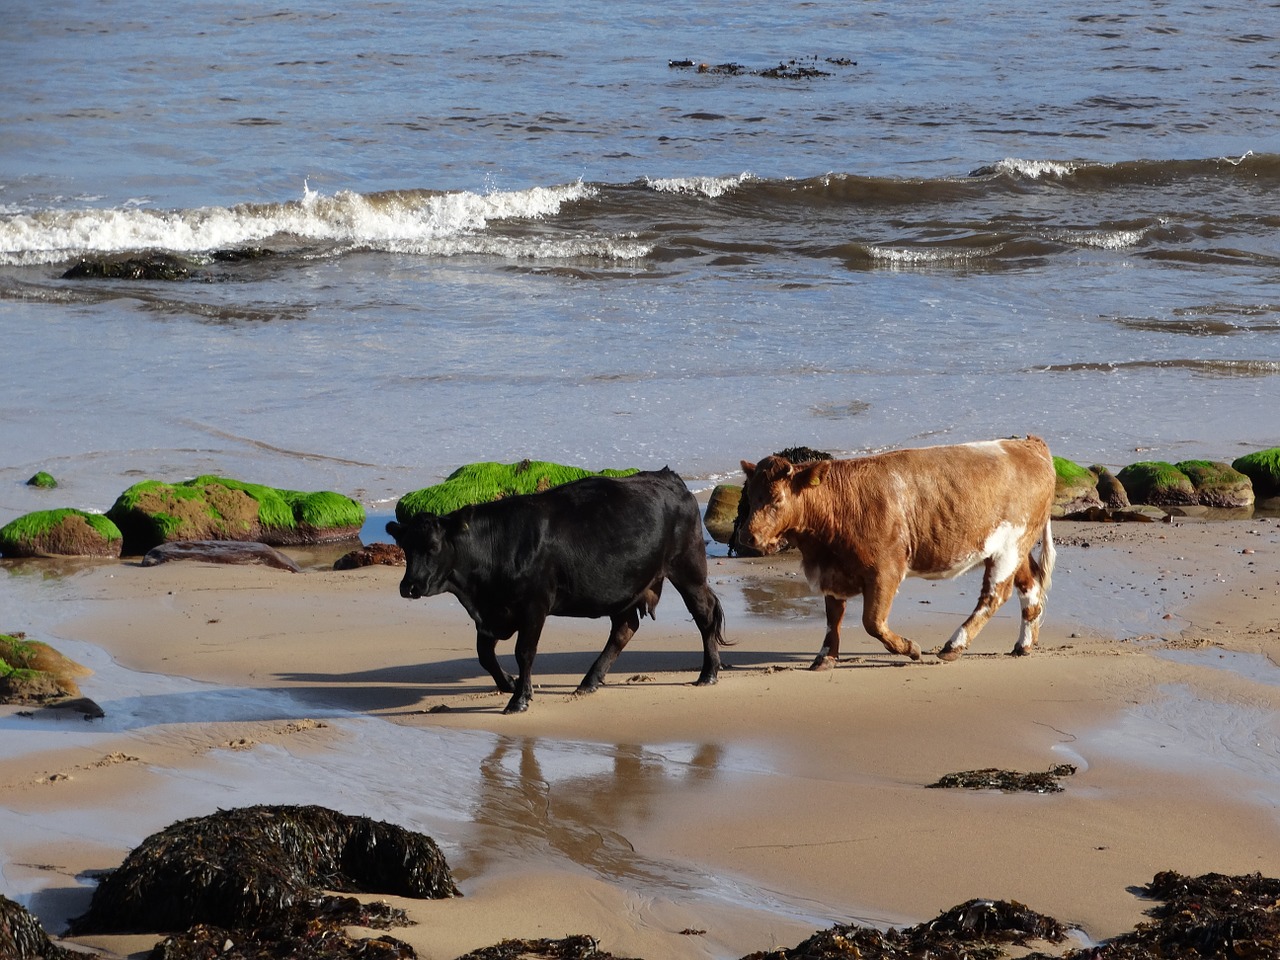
<point x="577" y="947"/>
<point x="974" y="930"/>
<point x="1010" y="781"/>
<point x="1210" y="917"/>
<point x="245" y="869"/>
<point x="299" y="933"/>
<point x="22" y="937"/>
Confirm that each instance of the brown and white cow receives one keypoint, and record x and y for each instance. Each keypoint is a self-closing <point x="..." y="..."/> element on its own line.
<point x="864" y="525"/>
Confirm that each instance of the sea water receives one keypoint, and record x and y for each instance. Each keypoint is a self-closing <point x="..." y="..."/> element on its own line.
<point x="495" y="232"/>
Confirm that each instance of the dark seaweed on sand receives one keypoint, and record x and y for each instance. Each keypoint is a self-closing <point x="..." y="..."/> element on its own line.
<point x="577" y="947"/>
<point x="22" y="937"/>
<point x="1210" y="917"/>
<point x="247" y="867"/>
<point x="299" y="934"/>
<point x="991" y="778"/>
<point x="971" y="931"/>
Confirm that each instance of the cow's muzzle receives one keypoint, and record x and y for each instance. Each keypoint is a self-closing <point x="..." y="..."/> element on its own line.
<point x="410" y="591"/>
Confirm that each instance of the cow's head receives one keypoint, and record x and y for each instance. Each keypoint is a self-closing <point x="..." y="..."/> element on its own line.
<point x="773" y="496"/>
<point x="428" y="555"/>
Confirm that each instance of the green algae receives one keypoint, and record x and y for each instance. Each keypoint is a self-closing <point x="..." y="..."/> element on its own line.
<point x="1218" y="484"/>
<point x="488" y="481"/>
<point x="1157" y="482"/>
<point x="220" y="508"/>
<point x="44" y="481"/>
<point x="64" y="531"/>
<point x="1071" y="473"/>
<point x="1262" y="467"/>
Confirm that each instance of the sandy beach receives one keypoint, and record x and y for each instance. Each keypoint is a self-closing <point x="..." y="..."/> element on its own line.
<point x="665" y="820"/>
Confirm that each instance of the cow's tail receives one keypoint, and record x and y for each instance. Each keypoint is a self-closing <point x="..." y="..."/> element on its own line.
<point x="1047" y="557"/>
<point x="717" y="623"/>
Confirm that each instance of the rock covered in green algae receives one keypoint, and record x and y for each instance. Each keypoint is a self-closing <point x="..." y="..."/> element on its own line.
<point x="34" y="672"/>
<point x="1158" y="483"/>
<point x="1075" y="488"/>
<point x="218" y="508"/>
<point x="23" y="938"/>
<point x="44" y="481"/>
<point x="1218" y="484"/>
<point x="245" y="868"/>
<point x="61" y="533"/>
<point x="488" y="481"/>
<point x="1262" y="468"/>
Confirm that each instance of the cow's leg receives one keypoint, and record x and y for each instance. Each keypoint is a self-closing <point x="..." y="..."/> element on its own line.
<point x="877" y="600"/>
<point x="624" y="627"/>
<point x="704" y="607"/>
<point x="486" y="647"/>
<point x="1031" y="595"/>
<point x="526" y="647"/>
<point x="830" y="652"/>
<point x="994" y="593"/>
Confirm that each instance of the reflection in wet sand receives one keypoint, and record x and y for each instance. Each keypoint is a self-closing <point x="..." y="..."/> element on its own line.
<point x="579" y="801"/>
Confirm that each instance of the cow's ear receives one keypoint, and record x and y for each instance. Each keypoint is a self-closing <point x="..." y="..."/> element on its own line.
<point x="811" y="475"/>
<point x="394" y="528"/>
<point x="748" y="468"/>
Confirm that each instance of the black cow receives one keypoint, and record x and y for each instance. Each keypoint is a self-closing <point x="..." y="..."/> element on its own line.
<point x="596" y="547"/>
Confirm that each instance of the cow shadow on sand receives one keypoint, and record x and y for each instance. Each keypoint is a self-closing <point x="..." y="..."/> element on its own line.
<point x="457" y="683"/>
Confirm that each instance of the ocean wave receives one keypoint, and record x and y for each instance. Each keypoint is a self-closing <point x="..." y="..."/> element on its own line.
<point x="1016" y="210"/>
<point x="410" y="220"/>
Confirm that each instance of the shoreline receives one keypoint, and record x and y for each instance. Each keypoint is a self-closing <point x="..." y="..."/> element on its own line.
<point x="761" y="809"/>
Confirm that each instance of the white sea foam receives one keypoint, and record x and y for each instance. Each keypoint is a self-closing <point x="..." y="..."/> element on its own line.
<point x="711" y="187"/>
<point x="1034" y="169"/>
<point x="405" y="221"/>
<point x="899" y="256"/>
<point x="1104" y="239"/>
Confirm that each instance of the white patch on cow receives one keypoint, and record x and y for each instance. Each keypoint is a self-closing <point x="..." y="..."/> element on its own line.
<point x="985" y="446"/>
<point x="959" y="640"/>
<point x="1003" y="547"/>
<point x="1031" y="598"/>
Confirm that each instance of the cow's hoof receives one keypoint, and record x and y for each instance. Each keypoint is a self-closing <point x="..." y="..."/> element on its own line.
<point x="706" y="681"/>
<point x="507" y="684"/>
<point x="1020" y="652"/>
<point x="823" y="662"/>
<point x="516" y="706"/>
<point x="914" y="652"/>
<point x="585" y="688"/>
<point x="947" y="654"/>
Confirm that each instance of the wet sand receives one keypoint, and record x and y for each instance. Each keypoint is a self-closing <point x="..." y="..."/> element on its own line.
<point x="756" y="811"/>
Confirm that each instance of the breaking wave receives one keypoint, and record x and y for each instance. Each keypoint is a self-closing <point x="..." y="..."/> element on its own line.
<point x="1013" y="212"/>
